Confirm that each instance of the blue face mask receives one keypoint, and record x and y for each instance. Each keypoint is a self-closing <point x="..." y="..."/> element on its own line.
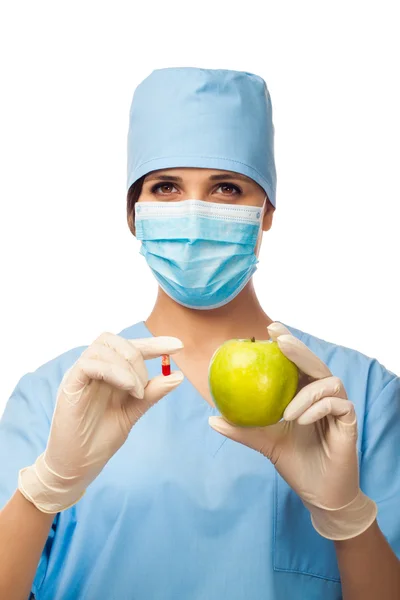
<point x="201" y="253"/>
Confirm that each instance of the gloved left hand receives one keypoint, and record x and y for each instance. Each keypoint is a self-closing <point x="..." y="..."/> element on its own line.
<point x="314" y="447"/>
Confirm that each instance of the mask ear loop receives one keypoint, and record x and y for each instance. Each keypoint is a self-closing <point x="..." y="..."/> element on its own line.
<point x="262" y="211"/>
<point x="263" y="208"/>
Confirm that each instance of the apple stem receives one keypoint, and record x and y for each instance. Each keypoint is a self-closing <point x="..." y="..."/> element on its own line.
<point x="253" y="339"/>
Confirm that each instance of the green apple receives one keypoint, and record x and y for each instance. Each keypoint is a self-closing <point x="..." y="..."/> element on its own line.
<point x="252" y="382"/>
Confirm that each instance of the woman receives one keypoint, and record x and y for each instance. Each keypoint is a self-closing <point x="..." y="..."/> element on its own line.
<point x="104" y="498"/>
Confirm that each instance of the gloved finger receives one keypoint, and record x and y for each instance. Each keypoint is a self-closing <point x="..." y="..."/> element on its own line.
<point x="302" y="356"/>
<point x="312" y="393"/>
<point x="337" y="407"/>
<point x="276" y="329"/>
<point x="157" y="388"/>
<point x="161" y="385"/>
<point x="153" y="347"/>
<point x="261" y="439"/>
<point x="87" y="369"/>
<point x="109" y="350"/>
<point x="127" y="351"/>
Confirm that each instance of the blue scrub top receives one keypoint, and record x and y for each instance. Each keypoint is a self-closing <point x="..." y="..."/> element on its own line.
<point x="180" y="512"/>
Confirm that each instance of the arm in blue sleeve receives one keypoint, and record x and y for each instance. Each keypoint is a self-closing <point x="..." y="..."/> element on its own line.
<point x="24" y="429"/>
<point x="380" y="459"/>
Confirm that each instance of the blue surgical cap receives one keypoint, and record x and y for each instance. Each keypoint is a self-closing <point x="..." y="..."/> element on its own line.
<point x="207" y="118"/>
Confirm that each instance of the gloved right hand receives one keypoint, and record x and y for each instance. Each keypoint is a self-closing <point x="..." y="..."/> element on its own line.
<point x="99" y="400"/>
<point x="314" y="447"/>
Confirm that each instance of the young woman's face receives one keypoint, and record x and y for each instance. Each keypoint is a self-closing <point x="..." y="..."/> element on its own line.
<point x="212" y="185"/>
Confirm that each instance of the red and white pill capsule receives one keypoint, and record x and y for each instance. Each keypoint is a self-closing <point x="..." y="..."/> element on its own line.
<point x="165" y="365"/>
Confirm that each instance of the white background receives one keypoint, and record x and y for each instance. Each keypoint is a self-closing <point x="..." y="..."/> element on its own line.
<point x="70" y="268"/>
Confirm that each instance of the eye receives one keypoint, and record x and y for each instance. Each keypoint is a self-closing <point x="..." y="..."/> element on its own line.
<point x="230" y="186"/>
<point x="167" y="184"/>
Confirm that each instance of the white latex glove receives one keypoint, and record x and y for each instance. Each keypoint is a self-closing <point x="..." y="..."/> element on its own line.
<point x="99" y="400"/>
<point x="314" y="447"/>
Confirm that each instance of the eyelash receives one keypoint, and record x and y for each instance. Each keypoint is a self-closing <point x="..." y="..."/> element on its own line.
<point x="158" y="185"/>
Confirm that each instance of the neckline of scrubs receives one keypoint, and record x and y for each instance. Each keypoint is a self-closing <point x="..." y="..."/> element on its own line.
<point x="191" y="407"/>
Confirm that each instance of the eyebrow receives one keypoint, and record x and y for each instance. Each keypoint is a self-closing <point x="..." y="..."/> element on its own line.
<point x="211" y="178"/>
